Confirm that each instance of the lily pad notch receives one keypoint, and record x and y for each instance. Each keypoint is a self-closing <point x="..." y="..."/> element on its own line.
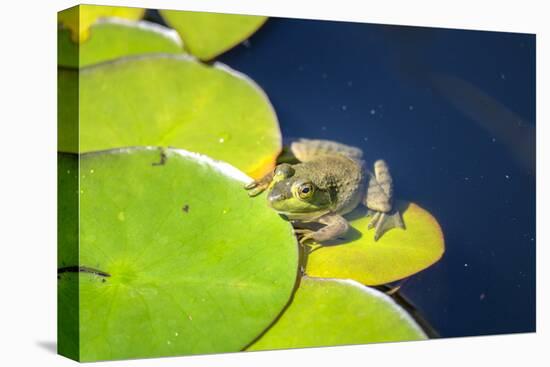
<point x="154" y="280"/>
<point x="207" y="35"/>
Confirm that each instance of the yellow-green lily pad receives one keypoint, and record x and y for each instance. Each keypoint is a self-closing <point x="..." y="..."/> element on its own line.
<point x="173" y="258"/>
<point x="397" y="254"/>
<point x="79" y="19"/>
<point x="176" y="101"/>
<point x="206" y="35"/>
<point x="326" y="312"/>
<point x="111" y="38"/>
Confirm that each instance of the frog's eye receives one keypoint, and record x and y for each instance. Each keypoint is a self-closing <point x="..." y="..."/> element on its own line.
<point x="305" y="190"/>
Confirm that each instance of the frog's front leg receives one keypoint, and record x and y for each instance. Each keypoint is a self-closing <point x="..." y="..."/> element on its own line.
<point x="379" y="200"/>
<point x="256" y="187"/>
<point x="335" y="226"/>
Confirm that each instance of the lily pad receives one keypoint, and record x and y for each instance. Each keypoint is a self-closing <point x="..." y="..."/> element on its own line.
<point x="173" y="100"/>
<point x="206" y="35"/>
<point x="67" y="253"/>
<point x="67" y="110"/>
<point x="167" y="266"/>
<point x="326" y="312"/>
<point x="79" y="19"/>
<point x="397" y="254"/>
<point x="112" y="38"/>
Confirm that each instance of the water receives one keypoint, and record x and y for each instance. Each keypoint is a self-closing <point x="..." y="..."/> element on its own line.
<point x="453" y="113"/>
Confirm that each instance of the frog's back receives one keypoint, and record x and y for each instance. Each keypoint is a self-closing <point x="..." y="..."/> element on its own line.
<point x="343" y="176"/>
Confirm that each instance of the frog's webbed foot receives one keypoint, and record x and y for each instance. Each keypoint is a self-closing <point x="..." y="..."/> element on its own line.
<point x="379" y="201"/>
<point x="256" y="187"/>
<point x="383" y="222"/>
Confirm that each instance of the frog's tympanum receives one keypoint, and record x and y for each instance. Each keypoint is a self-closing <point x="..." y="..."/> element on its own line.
<point x="330" y="181"/>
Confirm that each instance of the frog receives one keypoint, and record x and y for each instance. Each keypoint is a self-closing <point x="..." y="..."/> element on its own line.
<point x="329" y="180"/>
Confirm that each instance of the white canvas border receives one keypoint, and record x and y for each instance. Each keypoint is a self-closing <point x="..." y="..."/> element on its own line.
<point x="28" y="181"/>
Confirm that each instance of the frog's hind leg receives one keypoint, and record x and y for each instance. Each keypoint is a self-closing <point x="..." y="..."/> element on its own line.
<point x="335" y="225"/>
<point x="379" y="200"/>
<point x="380" y="189"/>
<point x="305" y="149"/>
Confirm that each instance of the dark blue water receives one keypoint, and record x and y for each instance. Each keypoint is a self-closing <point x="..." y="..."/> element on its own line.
<point x="453" y="113"/>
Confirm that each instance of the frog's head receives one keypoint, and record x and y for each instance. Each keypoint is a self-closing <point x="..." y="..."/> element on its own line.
<point x="295" y="196"/>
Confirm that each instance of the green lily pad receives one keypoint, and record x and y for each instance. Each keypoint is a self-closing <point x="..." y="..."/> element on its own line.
<point x="174" y="257"/>
<point x="173" y="100"/>
<point x="327" y="312"/>
<point x="67" y="110"/>
<point x="206" y="35"/>
<point x="79" y="19"/>
<point x="67" y="205"/>
<point x="111" y="38"/>
<point x="67" y="253"/>
<point x="397" y="254"/>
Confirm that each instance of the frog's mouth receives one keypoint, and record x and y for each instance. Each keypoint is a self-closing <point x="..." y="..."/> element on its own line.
<point x="304" y="216"/>
<point x="278" y="200"/>
<point x="285" y="204"/>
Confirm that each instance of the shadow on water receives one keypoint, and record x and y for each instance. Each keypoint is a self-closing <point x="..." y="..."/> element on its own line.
<point x="411" y="308"/>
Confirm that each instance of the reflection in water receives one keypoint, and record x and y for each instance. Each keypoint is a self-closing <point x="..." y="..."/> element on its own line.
<point x="412" y="63"/>
<point x="491" y="115"/>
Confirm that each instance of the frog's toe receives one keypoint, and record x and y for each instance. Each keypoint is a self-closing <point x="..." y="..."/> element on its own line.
<point x="379" y="227"/>
<point x="305" y="238"/>
<point x="255" y="192"/>
<point x="303" y="234"/>
<point x="255" y="188"/>
<point x="375" y="219"/>
<point x="251" y="185"/>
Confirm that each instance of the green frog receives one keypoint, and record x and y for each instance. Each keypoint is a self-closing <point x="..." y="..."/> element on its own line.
<point x="329" y="181"/>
